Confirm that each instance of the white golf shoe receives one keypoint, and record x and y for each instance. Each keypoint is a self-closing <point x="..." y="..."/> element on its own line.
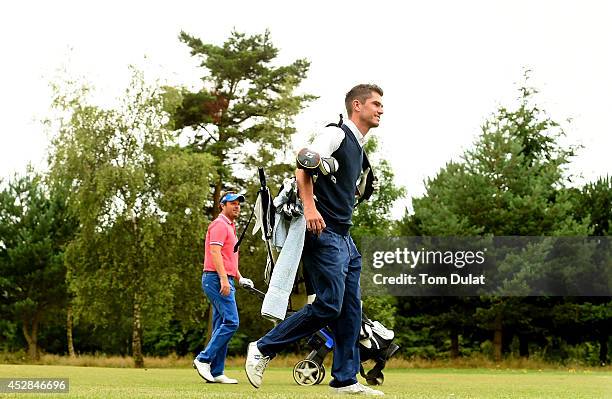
<point x="203" y="370"/>
<point x="223" y="379"/>
<point x="357" y="389"/>
<point x="255" y="365"/>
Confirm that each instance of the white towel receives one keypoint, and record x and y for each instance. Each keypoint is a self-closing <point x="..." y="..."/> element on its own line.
<point x="275" y="303"/>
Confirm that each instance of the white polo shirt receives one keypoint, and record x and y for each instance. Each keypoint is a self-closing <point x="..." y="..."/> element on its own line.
<point x="330" y="138"/>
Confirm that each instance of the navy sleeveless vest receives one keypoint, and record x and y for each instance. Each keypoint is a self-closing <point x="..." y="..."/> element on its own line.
<point x="335" y="201"/>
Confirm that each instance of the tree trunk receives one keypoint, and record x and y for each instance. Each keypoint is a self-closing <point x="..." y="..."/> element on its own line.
<point x="497" y="338"/>
<point x="603" y="349"/>
<point x="137" y="334"/>
<point x="523" y="345"/>
<point x="506" y="341"/>
<point x="454" y="348"/>
<point x="69" y="331"/>
<point x="136" y="320"/>
<point x="30" y="332"/>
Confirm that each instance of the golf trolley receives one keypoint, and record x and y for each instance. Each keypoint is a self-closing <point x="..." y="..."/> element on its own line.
<point x="375" y="343"/>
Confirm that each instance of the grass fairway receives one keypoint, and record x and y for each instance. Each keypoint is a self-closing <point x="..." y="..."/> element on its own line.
<point x="95" y="382"/>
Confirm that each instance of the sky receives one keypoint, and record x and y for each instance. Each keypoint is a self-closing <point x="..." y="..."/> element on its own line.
<point x="445" y="66"/>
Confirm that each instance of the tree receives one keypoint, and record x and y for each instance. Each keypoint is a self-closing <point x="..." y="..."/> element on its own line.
<point x="590" y="318"/>
<point x="138" y="199"/>
<point x="509" y="184"/>
<point x="243" y="115"/>
<point x="35" y="226"/>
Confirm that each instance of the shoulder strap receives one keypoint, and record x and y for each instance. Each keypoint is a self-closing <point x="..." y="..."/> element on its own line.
<point x="339" y="124"/>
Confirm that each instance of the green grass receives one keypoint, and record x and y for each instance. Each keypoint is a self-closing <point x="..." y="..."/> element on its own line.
<point x="96" y="382"/>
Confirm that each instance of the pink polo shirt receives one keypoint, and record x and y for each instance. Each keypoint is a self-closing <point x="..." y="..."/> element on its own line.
<point x="222" y="232"/>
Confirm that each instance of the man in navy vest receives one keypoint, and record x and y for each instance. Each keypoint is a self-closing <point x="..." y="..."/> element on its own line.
<point x="330" y="258"/>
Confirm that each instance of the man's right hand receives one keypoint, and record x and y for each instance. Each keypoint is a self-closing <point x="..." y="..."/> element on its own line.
<point x="225" y="286"/>
<point x="314" y="220"/>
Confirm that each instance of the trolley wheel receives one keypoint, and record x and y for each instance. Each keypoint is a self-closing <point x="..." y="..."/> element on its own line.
<point x="378" y="380"/>
<point x="321" y="374"/>
<point x="306" y="372"/>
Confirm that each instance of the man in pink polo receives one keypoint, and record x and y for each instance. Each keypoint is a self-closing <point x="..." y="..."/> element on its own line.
<point x="220" y="271"/>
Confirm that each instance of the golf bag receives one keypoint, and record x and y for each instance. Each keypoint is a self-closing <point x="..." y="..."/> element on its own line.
<point x="376" y="344"/>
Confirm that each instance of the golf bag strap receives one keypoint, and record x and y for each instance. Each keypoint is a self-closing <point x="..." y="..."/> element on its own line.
<point x="369" y="186"/>
<point x="336" y="124"/>
<point x="262" y="182"/>
<point x="246" y="226"/>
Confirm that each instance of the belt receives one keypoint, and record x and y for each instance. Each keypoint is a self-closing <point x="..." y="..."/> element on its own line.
<point x="209" y="272"/>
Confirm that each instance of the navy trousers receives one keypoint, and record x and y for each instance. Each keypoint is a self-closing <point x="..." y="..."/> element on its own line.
<point x="333" y="266"/>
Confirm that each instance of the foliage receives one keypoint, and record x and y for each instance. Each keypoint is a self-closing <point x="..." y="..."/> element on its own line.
<point x="35" y="226"/>
<point x="244" y="113"/>
<point x="594" y="201"/>
<point x="138" y="199"/>
<point x="510" y="183"/>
